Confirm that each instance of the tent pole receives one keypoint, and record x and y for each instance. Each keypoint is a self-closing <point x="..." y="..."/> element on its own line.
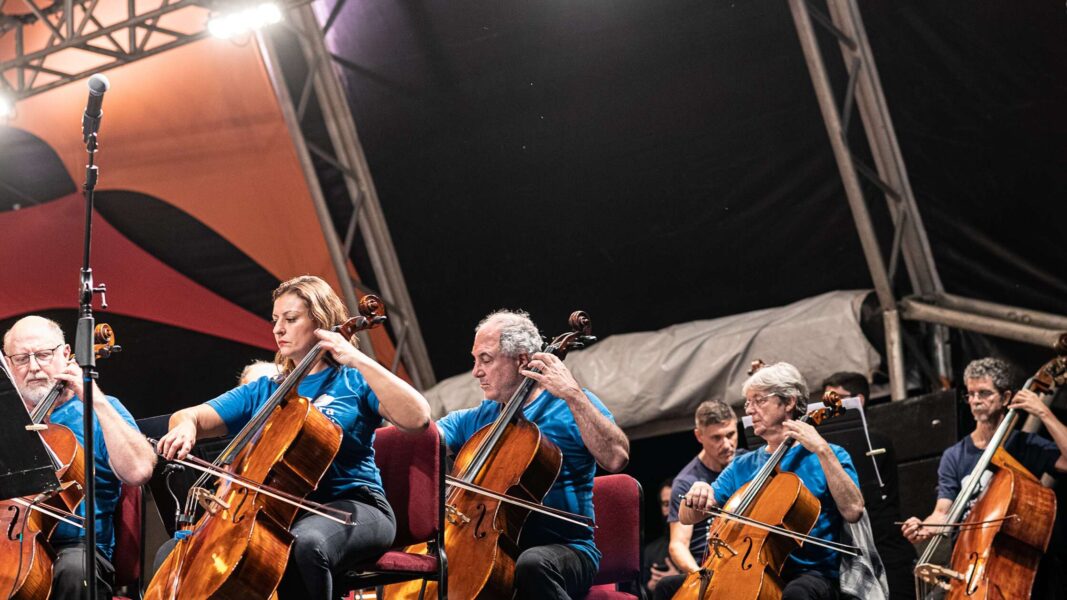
<point x="868" y="239"/>
<point x="361" y="190"/>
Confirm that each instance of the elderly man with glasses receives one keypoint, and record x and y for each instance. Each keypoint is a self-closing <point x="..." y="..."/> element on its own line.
<point x="38" y="358"/>
<point x="990" y="394"/>
<point x="775" y="397"/>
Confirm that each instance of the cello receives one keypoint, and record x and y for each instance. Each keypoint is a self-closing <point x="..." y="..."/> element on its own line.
<point x="501" y="474"/>
<point x="1008" y="528"/>
<point x="26" y="558"/>
<point x="757" y="528"/>
<point x="240" y="546"/>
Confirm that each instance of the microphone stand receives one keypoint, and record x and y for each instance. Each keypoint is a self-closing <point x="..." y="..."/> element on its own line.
<point x="83" y="348"/>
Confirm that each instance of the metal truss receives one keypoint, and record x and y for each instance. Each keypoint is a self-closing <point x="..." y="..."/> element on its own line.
<point x="929" y="303"/>
<point x="318" y="81"/>
<point x="80" y="25"/>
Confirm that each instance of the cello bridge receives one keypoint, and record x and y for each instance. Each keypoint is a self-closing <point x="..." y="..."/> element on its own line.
<point x="717" y="543"/>
<point x="210" y="502"/>
<point x="454" y="516"/>
<point x="936" y="575"/>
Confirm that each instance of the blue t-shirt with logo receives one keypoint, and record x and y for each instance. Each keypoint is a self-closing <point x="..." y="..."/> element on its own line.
<point x="108" y="486"/>
<point x="346" y="399"/>
<point x="799" y="460"/>
<point x="573" y="489"/>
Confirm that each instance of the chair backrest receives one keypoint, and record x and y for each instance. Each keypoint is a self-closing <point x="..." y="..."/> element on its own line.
<point x="126" y="556"/>
<point x="412" y="467"/>
<point x="617" y="504"/>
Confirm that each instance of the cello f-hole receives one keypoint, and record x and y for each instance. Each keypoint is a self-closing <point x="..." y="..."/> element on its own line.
<point x="14" y="521"/>
<point x="745" y="564"/>
<point x="243" y="491"/>
<point x="973" y="577"/>
<point x="478" y="533"/>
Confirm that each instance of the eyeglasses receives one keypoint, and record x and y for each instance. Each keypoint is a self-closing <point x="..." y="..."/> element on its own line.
<point x="980" y="394"/>
<point x="42" y="356"/>
<point x="758" y="401"/>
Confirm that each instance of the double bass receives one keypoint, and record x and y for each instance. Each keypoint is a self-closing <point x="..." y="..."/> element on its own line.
<point x="240" y="546"/>
<point x="26" y="557"/>
<point x="1002" y="538"/>
<point x="757" y="528"/>
<point x="500" y="475"/>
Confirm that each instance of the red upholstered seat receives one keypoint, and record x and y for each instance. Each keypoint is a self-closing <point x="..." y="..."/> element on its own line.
<point x="412" y="469"/>
<point x="126" y="556"/>
<point x="619" y="539"/>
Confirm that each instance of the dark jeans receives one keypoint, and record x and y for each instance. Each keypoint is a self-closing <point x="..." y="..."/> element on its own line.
<point x="323" y="547"/>
<point x="668" y="587"/>
<point x="553" y="572"/>
<point x="810" y="585"/>
<point x="68" y="572"/>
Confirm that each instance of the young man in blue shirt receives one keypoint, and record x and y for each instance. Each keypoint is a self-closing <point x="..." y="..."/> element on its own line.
<point x="775" y="396"/>
<point x="556" y="559"/>
<point x="39" y="357"/>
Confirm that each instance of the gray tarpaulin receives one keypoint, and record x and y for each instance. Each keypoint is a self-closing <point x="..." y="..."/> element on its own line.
<point x="653" y="381"/>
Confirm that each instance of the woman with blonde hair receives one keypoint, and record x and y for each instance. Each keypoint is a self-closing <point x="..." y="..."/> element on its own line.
<point x="355" y="393"/>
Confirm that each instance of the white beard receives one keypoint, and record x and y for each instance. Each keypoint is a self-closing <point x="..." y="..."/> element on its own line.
<point x="38" y="391"/>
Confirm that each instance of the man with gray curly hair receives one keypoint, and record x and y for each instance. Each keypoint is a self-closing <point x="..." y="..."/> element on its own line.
<point x="556" y="559"/>
<point x="775" y="397"/>
<point x="990" y="394"/>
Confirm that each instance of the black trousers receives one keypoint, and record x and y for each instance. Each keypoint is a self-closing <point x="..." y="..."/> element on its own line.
<point x="68" y="572"/>
<point x="667" y="587"/>
<point x="809" y="585"/>
<point x="553" y="572"/>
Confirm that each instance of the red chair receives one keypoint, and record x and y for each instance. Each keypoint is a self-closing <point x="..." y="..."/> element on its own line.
<point x="129" y="533"/>
<point x="617" y="503"/>
<point x="412" y="468"/>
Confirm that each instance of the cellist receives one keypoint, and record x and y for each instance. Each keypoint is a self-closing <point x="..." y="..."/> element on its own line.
<point x="38" y="357"/>
<point x="355" y="394"/>
<point x="990" y="394"/>
<point x="775" y="396"/>
<point x="558" y="560"/>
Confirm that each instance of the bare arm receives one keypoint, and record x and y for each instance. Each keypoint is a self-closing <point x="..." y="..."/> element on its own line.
<point x="914" y="530"/>
<point x="397" y="400"/>
<point x="605" y="441"/>
<point x="186" y="427"/>
<point x="1031" y="403"/>
<point x="846" y="495"/>
<point x="678" y="547"/>
<point x="129" y="453"/>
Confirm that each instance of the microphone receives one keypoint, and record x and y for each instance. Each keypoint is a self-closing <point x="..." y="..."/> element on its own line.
<point x="98" y="84"/>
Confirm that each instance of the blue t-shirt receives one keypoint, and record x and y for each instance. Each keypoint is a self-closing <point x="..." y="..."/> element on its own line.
<point x="69" y="414"/>
<point x="573" y="490"/>
<point x="691" y="473"/>
<point x="345" y="398"/>
<point x="1036" y="453"/>
<point x="799" y="460"/>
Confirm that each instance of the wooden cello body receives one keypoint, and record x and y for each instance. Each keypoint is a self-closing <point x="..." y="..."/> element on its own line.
<point x="239" y="549"/>
<point x="509" y="456"/>
<point x="746" y="562"/>
<point x="1004" y="536"/>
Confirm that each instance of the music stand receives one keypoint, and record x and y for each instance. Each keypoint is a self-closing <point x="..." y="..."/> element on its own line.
<point x="27" y="467"/>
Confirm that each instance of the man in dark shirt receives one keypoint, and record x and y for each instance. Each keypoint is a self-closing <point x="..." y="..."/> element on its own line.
<point x="882" y="502"/>
<point x="990" y="394"/>
<point x="716" y="430"/>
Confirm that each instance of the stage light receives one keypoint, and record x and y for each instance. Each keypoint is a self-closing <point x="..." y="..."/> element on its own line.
<point x="7" y="107"/>
<point x="243" y="21"/>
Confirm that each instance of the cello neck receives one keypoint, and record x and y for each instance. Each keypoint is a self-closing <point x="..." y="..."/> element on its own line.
<point x="44" y="407"/>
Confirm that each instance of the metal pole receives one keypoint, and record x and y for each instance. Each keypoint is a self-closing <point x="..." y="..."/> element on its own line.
<point x="329" y="234"/>
<point x="854" y="193"/>
<point x="1002" y="311"/>
<point x="919" y="311"/>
